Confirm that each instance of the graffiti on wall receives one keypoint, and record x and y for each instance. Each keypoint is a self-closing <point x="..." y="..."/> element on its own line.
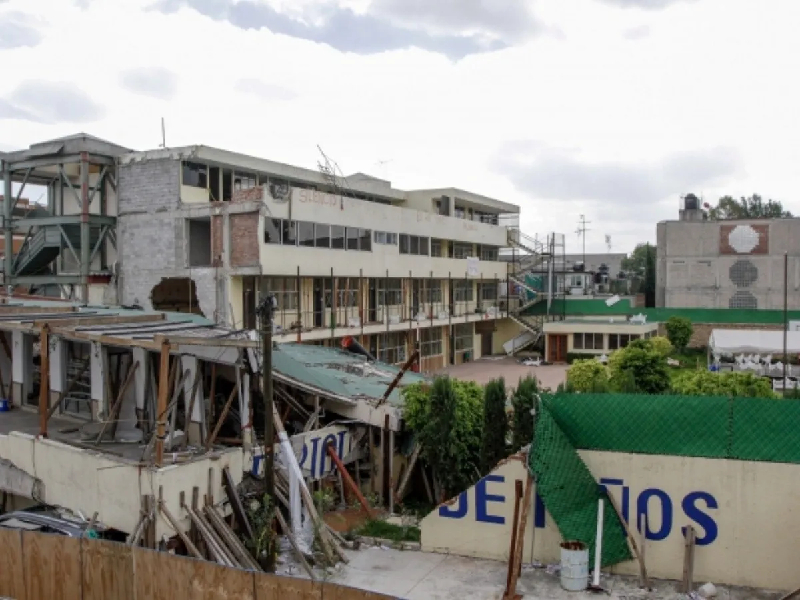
<point x="660" y="508"/>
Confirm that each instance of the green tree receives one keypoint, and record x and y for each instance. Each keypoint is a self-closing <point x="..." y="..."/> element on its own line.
<point x="679" y="332"/>
<point x="635" y="264"/>
<point x="661" y="344"/>
<point x="731" y="384"/>
<point x="447" y="419"/>
<point x="752" y="207"/>
<point x="523" y="401"/>
<point x="588" y="375"/>
<point x="495" y="425"/>
<point x="650" y="278"/>
<point x="639" y="369"/>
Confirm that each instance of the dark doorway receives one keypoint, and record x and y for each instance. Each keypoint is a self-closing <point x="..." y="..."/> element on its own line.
<point x="319" y="301"/>
<point x="486" y="344"/>
<point x="557" y="348"/>
<point x="372" y="309"/>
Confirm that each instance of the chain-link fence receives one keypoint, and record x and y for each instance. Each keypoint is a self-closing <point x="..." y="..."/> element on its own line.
<point x="702" y="426"/>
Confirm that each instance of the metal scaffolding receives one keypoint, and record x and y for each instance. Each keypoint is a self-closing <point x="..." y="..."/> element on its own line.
<point x="79" y="173"/>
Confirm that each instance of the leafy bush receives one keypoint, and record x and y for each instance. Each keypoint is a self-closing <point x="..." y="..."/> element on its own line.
<point x="523" y="401"/>
<point x="662" y="345"/>
<point x="447" y="418"/>
<point x="679" y="332"/>
<point x="639" y="369"/>
<point x="587" y="376"/>
<point x="731" y="384"/>
<point x="495" y="425"/>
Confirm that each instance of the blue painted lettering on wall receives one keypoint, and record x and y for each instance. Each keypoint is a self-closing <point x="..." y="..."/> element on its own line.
<point x="313" y="459"/>
<point x="653" y="503"/>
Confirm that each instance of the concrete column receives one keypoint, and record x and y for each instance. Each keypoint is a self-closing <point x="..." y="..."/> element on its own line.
<point x="194" y="422"/>
<point x="58" y="368"/>
<point x="5" y="365"/>
<point x="226" y="241"/>
<point x="99" y="371"/>
<point x="141" y="356"/>
<point x="244" y="411"/>
<point x="22" y="367"/>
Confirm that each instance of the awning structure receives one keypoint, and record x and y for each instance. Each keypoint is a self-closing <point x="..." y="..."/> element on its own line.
<point x="760" y="341"/>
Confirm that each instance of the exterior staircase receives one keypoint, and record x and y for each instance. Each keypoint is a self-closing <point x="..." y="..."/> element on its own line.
<point x="528" y="254"/>
<point x="40" y="249"/>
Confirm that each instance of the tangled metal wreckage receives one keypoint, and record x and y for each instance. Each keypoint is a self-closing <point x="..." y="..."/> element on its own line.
<point x="131" y="415"/>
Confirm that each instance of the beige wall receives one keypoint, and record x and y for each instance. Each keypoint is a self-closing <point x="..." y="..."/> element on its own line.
<point x="744" y="514"/>
<point x="570" y="328"/>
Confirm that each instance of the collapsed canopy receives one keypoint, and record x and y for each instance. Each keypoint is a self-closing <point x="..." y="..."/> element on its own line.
<point x="736" y="341"/>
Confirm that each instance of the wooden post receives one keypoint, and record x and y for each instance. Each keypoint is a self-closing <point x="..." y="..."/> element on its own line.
<point x="511" y="592"/>
<point x="512" y="561"/>
<point x="44" y="378"/>
<point x="387" y="464"/>
<point x="163" y="391"/>
<point x="349" y="480"/>
<point x="222" y="416"/>
<point x="688" y="560"/>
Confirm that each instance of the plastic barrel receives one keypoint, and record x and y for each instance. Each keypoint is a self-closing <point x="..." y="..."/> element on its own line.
<point x="574" y="566"/>
<point x="4" y="407"/>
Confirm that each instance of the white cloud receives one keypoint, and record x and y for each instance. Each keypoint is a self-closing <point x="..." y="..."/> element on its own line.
<point x="700" y="76"/>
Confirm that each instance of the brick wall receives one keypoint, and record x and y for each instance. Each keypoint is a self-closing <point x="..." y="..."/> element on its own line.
<point x="149" y="186"/>
<point x="244" y="240"/>
<point x="248" y="195"/>
<point x="216" y="240"/>
<point x="702" y="331"/>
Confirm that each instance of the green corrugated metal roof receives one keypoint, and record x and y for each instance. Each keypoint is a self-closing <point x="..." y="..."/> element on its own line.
<point x="339" y="372"/>
<point x="590" y="307"/>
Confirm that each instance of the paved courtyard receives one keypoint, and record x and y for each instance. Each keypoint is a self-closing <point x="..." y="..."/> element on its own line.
<point x="485" y="369"/>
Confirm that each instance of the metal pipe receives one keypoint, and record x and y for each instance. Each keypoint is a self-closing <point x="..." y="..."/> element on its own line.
<point x="85" y="237"/>
<point x="785" y="315"/>
<point x="8" y="258"/>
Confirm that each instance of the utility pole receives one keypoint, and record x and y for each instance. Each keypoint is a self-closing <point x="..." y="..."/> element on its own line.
<point x="266" y="310"/>
<point x="582" y="229"/>
<point x="785" y="315"/>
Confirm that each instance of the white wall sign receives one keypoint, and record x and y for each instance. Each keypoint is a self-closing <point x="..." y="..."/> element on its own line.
<point x="309" y="448"/>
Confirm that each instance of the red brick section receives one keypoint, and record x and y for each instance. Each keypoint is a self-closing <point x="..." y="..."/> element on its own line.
<point x="248" y="195"/>
<point x="763" y="238"/>
<point x="244" y="240"/>
<point x="216" y="241"/>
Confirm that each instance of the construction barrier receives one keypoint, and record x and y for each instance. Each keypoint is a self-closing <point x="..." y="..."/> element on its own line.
<point x="38" y="566"/>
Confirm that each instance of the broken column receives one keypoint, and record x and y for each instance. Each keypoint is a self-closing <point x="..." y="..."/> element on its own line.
<point x="22" y="367"/>
<point x="194" y="421"/>
<point x="244" y="407"/>
<point x="140" y="379"/>
<point x="58" y="368"/>
<point x="99" y="370"/>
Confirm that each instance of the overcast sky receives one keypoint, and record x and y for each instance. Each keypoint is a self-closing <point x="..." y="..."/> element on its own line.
<point x="610" y="108"/>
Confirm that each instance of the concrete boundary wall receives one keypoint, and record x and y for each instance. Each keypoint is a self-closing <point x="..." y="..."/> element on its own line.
<point x="37" y="566"/>
<point x="744" y="514"/>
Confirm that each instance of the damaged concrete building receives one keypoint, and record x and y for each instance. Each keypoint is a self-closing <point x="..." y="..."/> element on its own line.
<point x="207" y="231"/>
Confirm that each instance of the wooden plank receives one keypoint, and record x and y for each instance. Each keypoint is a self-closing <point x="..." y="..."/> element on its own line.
<point x="12" y="576"/>
<point x="35" y="310"/>
<point x="107" y="570"/>
<point x="52" y="565"/>
<point x="161" y="576"/>
<point x="161" y="407"/>
<point x="273" y="587"/>
<point x="100" y="320"/>
<point x="236" y="503"/>
<point x="207" y="341"/>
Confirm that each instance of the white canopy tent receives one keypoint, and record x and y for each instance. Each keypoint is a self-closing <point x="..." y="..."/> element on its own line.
<point x="759" y="341"/>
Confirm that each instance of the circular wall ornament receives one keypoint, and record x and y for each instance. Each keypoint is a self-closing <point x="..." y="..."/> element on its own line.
<point x="743" y="273"/>
<point x="744" y="239"/>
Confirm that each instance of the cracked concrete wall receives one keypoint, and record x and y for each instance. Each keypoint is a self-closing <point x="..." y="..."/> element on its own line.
<point x="152" y="236"/>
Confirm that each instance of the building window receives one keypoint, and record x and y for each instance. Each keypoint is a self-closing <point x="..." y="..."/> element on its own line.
<point x="459" y="213"/>
<point x="337" y="237"/>
<point x="322" y="235"/>
<point x="195" y="175"/>
<point x="305" y="234"/>
<point x="288" y="233"/>
<point x="272" y="231"/>
<point x="244" y="181"/>
<point x="462" y="291"/>
<point x="366" y="240"/>
<point x="392" y="347"/>
<point x="489" y="253"/>
<point x="285" y="290"/>
<point x="436" y="247"/>
<point x="489" y="292"/>
<point x="386" y="238"/>
<point x="587" y="341"/>
<point x="414" y="244"/>
<point x="430" y="341"/>
<point x="617" y="341"/>
<point x="463" y="336"/>
<point x="461" y="250"/>
<point x="352" y="238"/>
<point x="432" y="292"/>
<point x="347" y="292"/>
<point x="390" y="292"/>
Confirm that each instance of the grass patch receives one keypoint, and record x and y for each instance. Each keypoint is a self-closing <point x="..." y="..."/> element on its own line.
<point x="388" y="531"/>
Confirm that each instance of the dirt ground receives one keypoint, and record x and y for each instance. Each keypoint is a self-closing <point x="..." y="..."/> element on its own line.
<point x="485" y="369"/>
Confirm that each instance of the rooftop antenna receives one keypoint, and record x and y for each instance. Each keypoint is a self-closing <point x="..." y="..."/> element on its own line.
<point x="163" y="134"/>
<point x="581" y="231"/>
<point x="332" y="174"/>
